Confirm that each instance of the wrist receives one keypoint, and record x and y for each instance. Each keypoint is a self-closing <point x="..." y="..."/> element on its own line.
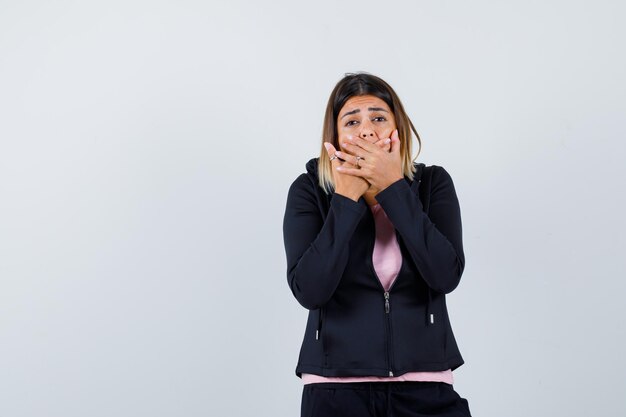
<point x="391" y="182"/>
<point x="351" y="196"/>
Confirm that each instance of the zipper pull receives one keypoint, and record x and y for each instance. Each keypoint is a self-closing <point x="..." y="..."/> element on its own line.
<point x="386" y="301"/>
<point x="317" y="335"/>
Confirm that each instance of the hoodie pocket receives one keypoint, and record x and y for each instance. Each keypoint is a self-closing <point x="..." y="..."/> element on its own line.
<point x="419" y="341"/>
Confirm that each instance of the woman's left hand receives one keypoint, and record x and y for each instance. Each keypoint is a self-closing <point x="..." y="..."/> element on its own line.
<point x="379" y="167"/>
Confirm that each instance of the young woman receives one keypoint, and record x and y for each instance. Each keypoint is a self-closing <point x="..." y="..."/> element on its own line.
<point x="374" y="243"/>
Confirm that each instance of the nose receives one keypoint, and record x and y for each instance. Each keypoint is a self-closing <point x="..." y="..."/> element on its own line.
<point x="368" y="133"/>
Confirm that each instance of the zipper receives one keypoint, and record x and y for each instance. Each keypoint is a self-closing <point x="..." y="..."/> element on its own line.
<point x="387" y="309"/>
<point x="386" y="302"/>
<point x="386" y="295"/>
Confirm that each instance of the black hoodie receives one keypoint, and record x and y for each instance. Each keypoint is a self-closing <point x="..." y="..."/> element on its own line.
<point x="354" y="327"/>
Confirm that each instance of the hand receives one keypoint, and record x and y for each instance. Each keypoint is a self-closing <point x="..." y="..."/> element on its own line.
<point x="377" y="166"/>
<point x="384" y="145"/>
<point x="347" y="185"/>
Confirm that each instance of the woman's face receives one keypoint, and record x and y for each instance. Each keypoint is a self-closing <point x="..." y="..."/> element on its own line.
<point x="367" y="117"/>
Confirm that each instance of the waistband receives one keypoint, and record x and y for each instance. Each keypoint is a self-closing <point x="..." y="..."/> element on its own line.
<point x="378" y="386"/>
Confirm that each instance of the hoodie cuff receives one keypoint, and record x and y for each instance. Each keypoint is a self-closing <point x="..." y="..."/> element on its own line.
<point x="343" y="202"/>
<point x="397" y="191"/>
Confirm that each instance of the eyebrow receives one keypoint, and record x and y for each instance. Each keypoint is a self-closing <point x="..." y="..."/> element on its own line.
<point x="358" y="110"/>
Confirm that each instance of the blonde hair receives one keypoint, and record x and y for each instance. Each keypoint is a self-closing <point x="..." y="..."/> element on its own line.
<point x="360" y="84"/>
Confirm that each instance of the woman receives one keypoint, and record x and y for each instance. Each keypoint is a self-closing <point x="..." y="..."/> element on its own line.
<point x="373" y="243"/>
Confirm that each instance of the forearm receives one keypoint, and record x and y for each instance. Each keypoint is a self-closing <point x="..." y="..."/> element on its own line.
<point x="438" y="256"/>
<point x="317" y="257"/>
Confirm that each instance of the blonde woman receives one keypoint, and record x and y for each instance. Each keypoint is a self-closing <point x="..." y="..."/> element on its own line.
<point x="374" y="243"/>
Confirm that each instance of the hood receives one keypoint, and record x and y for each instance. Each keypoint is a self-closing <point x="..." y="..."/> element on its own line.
<point x="311" y="166"/>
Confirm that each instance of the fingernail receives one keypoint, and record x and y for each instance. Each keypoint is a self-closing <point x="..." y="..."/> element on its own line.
<point x="326" y="145"/>
<point x="387" y="140"/>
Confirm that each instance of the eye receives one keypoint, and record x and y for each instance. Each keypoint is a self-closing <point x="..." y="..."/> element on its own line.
<point x="380" y="118"/>
<point x="350" y="122"/>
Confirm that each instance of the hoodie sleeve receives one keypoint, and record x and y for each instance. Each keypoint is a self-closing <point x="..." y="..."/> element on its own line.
<point x="434" y="241"/>
<point x="317" y="250"/>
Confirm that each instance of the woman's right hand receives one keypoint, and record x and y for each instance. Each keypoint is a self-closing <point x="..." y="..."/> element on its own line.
<point x="349" y="186"/>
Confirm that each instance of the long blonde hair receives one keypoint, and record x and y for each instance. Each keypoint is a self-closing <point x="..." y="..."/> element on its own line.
<point x="360" y="84"/>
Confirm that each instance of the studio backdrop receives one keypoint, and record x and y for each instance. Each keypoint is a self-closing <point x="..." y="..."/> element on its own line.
<point x="146" y="151"/>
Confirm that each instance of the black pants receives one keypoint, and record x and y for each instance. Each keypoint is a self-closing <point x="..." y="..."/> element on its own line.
<point x="382" y="399"/>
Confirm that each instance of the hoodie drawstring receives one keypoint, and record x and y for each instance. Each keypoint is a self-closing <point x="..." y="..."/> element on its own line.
<point x="430" y="317"/>
<point x="319" y="323"/>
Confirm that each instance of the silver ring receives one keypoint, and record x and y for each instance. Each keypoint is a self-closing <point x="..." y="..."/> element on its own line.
<point x="333" y="157"/>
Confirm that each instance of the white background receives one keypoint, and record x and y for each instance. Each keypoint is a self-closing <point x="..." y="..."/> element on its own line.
<point x="146" y="150"/>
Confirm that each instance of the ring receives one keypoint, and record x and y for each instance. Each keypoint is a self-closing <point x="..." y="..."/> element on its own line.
<point x="357" y="161"/>
<point x="333" y="157"/>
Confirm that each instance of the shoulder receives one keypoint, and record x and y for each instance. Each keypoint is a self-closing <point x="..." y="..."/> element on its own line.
<point x="437" y="172"/>
<point x="303" y="187"/>
<point x="442" y="183"/>
<point x="309" y="177"/>
<point x="440" y="173"/>
<point x="436" y="175"/>
<point x="301" y="183"/>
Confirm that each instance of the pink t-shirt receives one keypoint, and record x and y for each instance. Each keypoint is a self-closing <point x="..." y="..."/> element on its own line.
<point x="387" y="260"/>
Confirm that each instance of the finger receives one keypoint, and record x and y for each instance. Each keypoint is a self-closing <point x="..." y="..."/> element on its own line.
<point x="395" y="134"/>
<point x="352" y="149"/>
<point x="357" y="160"/>
<point x="384" y="144"/>
<point x="330" y="149"/>
<point x="395" y="142"/>
<point x="356" y="152"/>
<point x="345" y="169"/>
<point x="354" y="160"/>
<point x="356" y="141"/>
